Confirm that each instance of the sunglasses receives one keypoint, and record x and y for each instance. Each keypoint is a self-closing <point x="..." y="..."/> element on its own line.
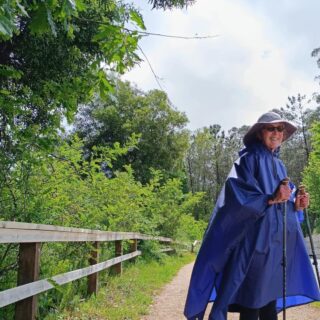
<point x="272" y="129"/>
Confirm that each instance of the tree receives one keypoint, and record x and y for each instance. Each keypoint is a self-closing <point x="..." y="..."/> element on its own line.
<point x="54" y="55"/>
<point x="64" y="189"/>
<point x="169" y="4"/>
<point x="295" y="152"/>
<point x="311" y="177"/>
<point x="208" y="162"/>
<point x="162" y="141"/>
<point x="199" y="168"/>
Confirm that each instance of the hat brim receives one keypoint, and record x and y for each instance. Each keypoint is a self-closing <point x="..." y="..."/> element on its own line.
<point x="251" y="136"/>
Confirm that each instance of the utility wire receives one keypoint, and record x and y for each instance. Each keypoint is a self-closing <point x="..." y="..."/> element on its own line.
<point x="155" y="76"/>
<point x="150" y="66"/>
<point x="171" y="36"/>
<point x="145" y="33"/>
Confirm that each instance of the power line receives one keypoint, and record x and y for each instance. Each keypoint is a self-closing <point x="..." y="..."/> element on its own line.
<point x="150" y="66"/>
<point x="146" y="33"/>
<point x="172" y="36"/>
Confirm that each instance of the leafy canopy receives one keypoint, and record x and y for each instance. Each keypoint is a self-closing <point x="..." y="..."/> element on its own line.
<point x="311" y="177"/>
<point x="54" y="56"/>
<point x="169" y="4"/>
<point x="163" y="139"/>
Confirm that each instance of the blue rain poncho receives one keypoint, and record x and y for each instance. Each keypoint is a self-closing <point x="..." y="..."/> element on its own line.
<point x="239" y="262"/>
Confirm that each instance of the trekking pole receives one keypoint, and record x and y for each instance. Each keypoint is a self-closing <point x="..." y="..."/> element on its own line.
<point x="284" y="182"/>
<point x="315" y="260"/>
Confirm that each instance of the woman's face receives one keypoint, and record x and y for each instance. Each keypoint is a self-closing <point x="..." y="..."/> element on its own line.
<point x="272" y="135"/>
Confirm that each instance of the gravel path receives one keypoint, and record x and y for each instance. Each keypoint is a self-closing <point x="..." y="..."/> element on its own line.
<point x="169" y="304"/>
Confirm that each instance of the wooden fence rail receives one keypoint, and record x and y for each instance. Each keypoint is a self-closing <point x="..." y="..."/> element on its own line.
<point x="30" y="236"/>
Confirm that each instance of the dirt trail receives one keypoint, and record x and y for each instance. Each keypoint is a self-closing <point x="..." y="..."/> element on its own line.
<point x="169" y="303"/>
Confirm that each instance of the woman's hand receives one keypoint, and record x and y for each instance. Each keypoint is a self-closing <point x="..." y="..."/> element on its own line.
<point x="282" y="194"/>
<point x="302" y="201"/>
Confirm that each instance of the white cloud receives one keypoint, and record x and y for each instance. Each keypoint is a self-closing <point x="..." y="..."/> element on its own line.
<point x="231" y="79"/>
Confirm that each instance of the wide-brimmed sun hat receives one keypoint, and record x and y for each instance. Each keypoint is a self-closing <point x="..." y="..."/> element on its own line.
<point x="268" y="118"/>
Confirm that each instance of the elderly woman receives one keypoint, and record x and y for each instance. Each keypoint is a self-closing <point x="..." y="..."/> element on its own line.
<point x="239" y="265"/>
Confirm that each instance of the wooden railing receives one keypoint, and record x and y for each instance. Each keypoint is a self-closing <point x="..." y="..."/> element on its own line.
<point x="30" y="236"/>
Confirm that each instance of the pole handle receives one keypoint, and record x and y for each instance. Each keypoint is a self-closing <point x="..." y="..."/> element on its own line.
<point x="285" y="181"/>
<point x="302" y="189"/>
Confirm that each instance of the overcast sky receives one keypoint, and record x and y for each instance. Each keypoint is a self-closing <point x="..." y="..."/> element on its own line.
<point x="261" y="55"/>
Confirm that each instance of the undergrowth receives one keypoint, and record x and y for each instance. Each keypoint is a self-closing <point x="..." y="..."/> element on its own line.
<point x="129" y="296"/>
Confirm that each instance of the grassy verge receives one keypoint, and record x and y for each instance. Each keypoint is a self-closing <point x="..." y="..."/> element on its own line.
<point x="128" y="297"/>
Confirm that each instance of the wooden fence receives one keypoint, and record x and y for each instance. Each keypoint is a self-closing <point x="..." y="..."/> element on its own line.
<point x="30" y="236"/>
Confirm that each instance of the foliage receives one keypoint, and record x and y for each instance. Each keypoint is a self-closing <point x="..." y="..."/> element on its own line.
<point x="62" y="188"/>
<point x="162" y="139"/>
<point x="191" y="228"/>
<point x="298" y="153"/>
<point x="295" y="152"/>
<point x="68" y="191"/>
<point x="208" y="162"/>
<point x="133" y="291"/>
<point x="311" y="178"/>
<point x="169" y="4"/>
<point x="54" y="55"/>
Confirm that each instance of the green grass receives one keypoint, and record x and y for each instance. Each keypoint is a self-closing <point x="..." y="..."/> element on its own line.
<point x="129" y="296"/>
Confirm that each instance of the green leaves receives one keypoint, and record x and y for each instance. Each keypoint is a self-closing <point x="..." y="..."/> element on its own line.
<point x="10" y="72"/>
<point x="163" y="140"/>
<point x="42" y="15"/>
<point x="64" y="55"/>
<point x="48" y="15"/>
<point x="6" y="26"/>
<point x="22" y="9"/>
<point x="42" y="21"/>
<point x="311" y="177"/>
<point x="71" y="4"/>
<point x="136" y="17"/>
<point x="7" y="19"/>
<point x="55" y="56"/>
<point x="105" y="85"/>
<point x="118" y="46"/>
<point x="169" y="4"/>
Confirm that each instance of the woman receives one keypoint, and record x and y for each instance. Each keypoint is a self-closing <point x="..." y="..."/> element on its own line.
<point x="239" y="265"/>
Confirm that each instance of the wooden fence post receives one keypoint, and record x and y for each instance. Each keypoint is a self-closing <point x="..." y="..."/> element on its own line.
<point x="93" y="278"/>
<point x="28" y="271"/>
<point x="118" y="253"/>
<point x="133" y="247"/>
